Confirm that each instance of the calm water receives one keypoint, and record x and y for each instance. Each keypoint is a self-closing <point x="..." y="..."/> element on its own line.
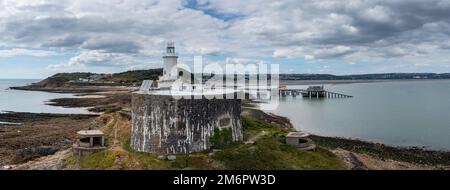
<point x="415" y="113"/>
<point x="30" y="101"/>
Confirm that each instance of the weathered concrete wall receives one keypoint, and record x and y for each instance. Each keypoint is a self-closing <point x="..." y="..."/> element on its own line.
<point x="163" y="124"/>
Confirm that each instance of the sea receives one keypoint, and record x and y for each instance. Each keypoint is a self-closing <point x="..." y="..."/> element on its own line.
<point x="396" y="113"/>
<point x="31" y="101"/>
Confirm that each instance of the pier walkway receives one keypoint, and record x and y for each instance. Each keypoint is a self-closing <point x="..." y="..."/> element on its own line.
<point x="311" y="93"/>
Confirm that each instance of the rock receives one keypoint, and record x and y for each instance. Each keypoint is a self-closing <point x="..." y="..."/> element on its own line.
<point x="211" y="154"/>
<point x="161" y="157"/>
<point x="35" y="152"/>
<point x="350" y="159"/>
<point x="171" y="157"/>
<point x="250" y="142"/>
<point x="46" y="150"/>
<point x="7" y="167"/>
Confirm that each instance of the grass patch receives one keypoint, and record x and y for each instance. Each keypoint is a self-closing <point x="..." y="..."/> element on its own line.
<point x="106" y="109"/>
<point x="221" y="138"/>
<point x="269" y="153"/>
<point x="100" y="160"/>
<point x="252" y="126"/>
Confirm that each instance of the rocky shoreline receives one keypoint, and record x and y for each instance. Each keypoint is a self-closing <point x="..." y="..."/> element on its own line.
<point x="406" y="154"/>
<point x="118" y="100"/>
<point x="72" y="89"/>
<point x="25" y="117"/>
<point x="28" y="136"/>
<point x="38" y="134"/>
<point x="414" y="155"/>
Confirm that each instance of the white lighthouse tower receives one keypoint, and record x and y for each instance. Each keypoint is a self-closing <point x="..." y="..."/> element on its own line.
<point x="170" y="69"/>
<point x="173" y="78"/>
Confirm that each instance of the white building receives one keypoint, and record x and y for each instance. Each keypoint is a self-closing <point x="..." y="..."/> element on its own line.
<point x="174" y="78"/>
<point x="170" y="68"/>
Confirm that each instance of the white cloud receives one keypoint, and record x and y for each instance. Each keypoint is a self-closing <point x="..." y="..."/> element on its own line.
<point x="98" y="58"/>
<point x="25" y="52"/>
<point x="116" y="33"/>
<point x="309" y="57"/>
<point x="377" y="14"/>
<point x="283" y="53"/>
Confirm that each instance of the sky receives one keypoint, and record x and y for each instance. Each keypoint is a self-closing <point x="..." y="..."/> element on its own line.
<point x="39" y="38"/>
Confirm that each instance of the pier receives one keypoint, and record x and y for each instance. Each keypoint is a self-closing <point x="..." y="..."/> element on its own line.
<point x="311" y="92"/>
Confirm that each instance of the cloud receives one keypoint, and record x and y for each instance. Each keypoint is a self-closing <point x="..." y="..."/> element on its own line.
<point x="365" y="26"/>
<point x="25" y="52"/>
<point x="378" y="14"/>
<point x="121" y="32"/>
<point x="111" y="45"/>
<point x="309" y="57"/>
<point x="114" y="26"/>
<point x="324" y="52"/>
<point x="65" y="41"/>
<point x="99" y="58"/>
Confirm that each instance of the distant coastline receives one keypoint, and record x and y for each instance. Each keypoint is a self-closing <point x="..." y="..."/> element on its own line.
<point x="312" y="82"/>
<point x="93" y="82"/>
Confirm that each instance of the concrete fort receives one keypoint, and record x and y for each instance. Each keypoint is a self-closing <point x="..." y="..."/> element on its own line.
<point x="167" y="125"/>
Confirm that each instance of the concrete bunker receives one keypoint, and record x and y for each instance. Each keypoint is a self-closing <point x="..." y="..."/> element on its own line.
<point x="300" y="140"/>
<point x="89" y="142"/>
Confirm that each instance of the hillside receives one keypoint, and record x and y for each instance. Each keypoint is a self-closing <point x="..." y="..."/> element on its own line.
<point x="132" y="77"/>
<point x="61" y="79"/>
<point x="64" y="81"/>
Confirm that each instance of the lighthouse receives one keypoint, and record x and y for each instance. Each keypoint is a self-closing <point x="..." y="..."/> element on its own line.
<point x="170" y="63"/>
<point x="173" y="115"/>
<point x="172" y="78"/>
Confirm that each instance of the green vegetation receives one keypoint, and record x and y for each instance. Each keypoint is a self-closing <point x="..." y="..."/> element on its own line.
<point x="105" y="109"/>
<point x="267" y="152"/>
<point x="270" y="151"/>
<point x="129" y="159"/>
<point x="133" y="77"/>
<point x="221" y="138"/>
<point x="73" y="79"/>
<point x="101" y="160"/>
<point x="61" y="79"/>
